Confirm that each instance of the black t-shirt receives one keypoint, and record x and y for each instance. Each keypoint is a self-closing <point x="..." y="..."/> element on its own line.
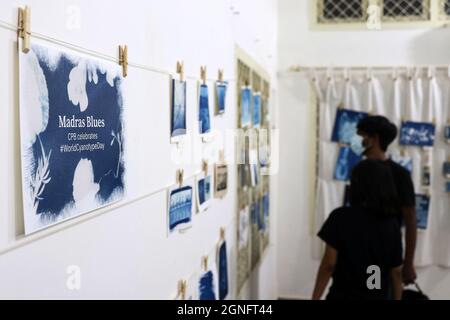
<point x="361" y="239"/>
<point x="404" y="186"/>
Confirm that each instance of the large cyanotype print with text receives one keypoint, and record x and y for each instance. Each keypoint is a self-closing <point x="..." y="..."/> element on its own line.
<point x="72" y="141"/>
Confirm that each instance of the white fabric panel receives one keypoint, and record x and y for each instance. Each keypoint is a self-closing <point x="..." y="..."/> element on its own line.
<point x="422" y="98"/>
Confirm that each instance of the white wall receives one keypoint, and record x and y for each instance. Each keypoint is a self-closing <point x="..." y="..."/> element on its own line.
<point x="124" y="252"/>
<point x="299" y="44"/>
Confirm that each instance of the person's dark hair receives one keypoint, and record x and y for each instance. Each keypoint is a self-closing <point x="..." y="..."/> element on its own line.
<point x="381" y="127"/>
<point x="372" y="188"/>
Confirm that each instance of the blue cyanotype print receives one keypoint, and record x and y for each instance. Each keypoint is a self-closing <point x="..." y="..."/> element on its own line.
<point x="204" y="117"/>
<point x="180" y="207"/>
<point x="346" y="161"/>
<point x="178" y="112"/>
<point x="71" y="133"/>
<point x="345" y="125"/>
<point x="419" y="134"/>
<point x="206" y="286"/>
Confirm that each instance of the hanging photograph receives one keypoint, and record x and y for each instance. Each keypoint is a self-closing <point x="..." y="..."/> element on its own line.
<point x="243" y="230"/>
<point x="426" y="176"/>
<point x="446" y="169"/>
<point x="257" y="110"/>
<point x="222" y="264"/>
<point x="221" y="180"/>
<point x="447" y="133"/>
<point x="403" y="160"/>
<point x="203" y="115"/>
<point x="447" y="186"/>
<point x="265" y="205"/>
<point x="221" y="94"/>
<point x="179" y="208"/>
<point x="246" y="110"/>
<point x="345" y="125"/>
<point x="204" y="185"/>
<point x="206" y="286"/>
<point x="71" y="131"/>
<point x="420" y="134"/>
<point x="346" y="161"/>
<point x="422" y="209"/>
<point x="253" y="167"/>
<point x="178" y="110"/>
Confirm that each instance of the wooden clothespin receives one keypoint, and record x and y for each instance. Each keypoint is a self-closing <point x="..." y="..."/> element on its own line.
<point x="340" y="105"/>
<point x="205" y="167"/>
<point x="180" y="69"/>
<point x="180" y="176"/>
<point x="182" y="285"/>
<point x="203" y="74"/>
<point x="205" y="263"/>
<point x="24" y="28"/>
<point x="220" y="76"/>
<point x="402" y="151"/>
<point x="123" y="59"/>
<point x="222" y="234"/>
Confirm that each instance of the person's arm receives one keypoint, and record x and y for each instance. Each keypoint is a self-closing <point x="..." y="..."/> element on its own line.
<point x="397" y="283"/>
<point x="326" y="269"/>
<point x="409" y="216"/>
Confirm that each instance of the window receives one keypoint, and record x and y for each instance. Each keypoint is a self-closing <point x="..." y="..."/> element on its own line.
<point x="391" y="12"/>
<point x="341" y="11"/>
<point x="397" y="10"/>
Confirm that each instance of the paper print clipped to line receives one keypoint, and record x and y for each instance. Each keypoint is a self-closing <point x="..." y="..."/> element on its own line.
<point x="72" y="135"/>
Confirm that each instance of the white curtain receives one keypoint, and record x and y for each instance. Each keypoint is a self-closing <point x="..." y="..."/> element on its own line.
<point x="418" y="95"/>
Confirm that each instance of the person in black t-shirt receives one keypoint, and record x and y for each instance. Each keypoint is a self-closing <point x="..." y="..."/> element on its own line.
<point x="363" y="251"/>
<point x="376" y="134"/>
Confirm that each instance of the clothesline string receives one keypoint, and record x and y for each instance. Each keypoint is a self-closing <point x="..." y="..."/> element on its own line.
<point x="37" y="35"/>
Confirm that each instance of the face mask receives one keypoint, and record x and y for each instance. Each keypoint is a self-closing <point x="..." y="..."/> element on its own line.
<point x="356" y="144"/>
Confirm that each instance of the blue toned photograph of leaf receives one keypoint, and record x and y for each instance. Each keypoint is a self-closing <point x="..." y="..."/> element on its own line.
<point x="204" y="116"/>
<point x="221" y="94"/>
<point x="223" y="271"/>
<point x="422" y="208"/>
<point x="256" y="110"/>
<point x="72" y="137"/>
<point x="345" y="125"/>
<point x="246" y="102"/>
<point x="206" y="286"/>
<point x="178" y="112"/>
<point x="345" y="163"/>
<point x="420" y="134"/>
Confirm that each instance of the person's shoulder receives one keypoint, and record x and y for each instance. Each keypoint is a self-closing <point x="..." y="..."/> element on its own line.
<point x="397" y="169"/>
<point x="341" y="212"/>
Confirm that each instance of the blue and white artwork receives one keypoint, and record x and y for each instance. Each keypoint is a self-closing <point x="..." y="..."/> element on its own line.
<point x="447" y="133"/>
<point x="206" y="286"/>
<point x="204" y="186"/>
<point x="243" y="228"/>
<point x="346" y="161"/>
<point x="178" y="112"/>
<point x="256" y="216"/>
<point x="246" y="110"/>
<point x="221" y="94"/>
<point x="257" y="110"/>
<point x="266" y="205"/>
<point x="203" y="115"/>
<point x="72" y="135"/>
<point x="345" y="125"/>
<point x="422" y="209"/>
<point x="419" y="134"/>
<point x="404" y="161"/>
<point x="447" y="187"/>
<point x="180" y="207"/>
<point x="223" y="270"/>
